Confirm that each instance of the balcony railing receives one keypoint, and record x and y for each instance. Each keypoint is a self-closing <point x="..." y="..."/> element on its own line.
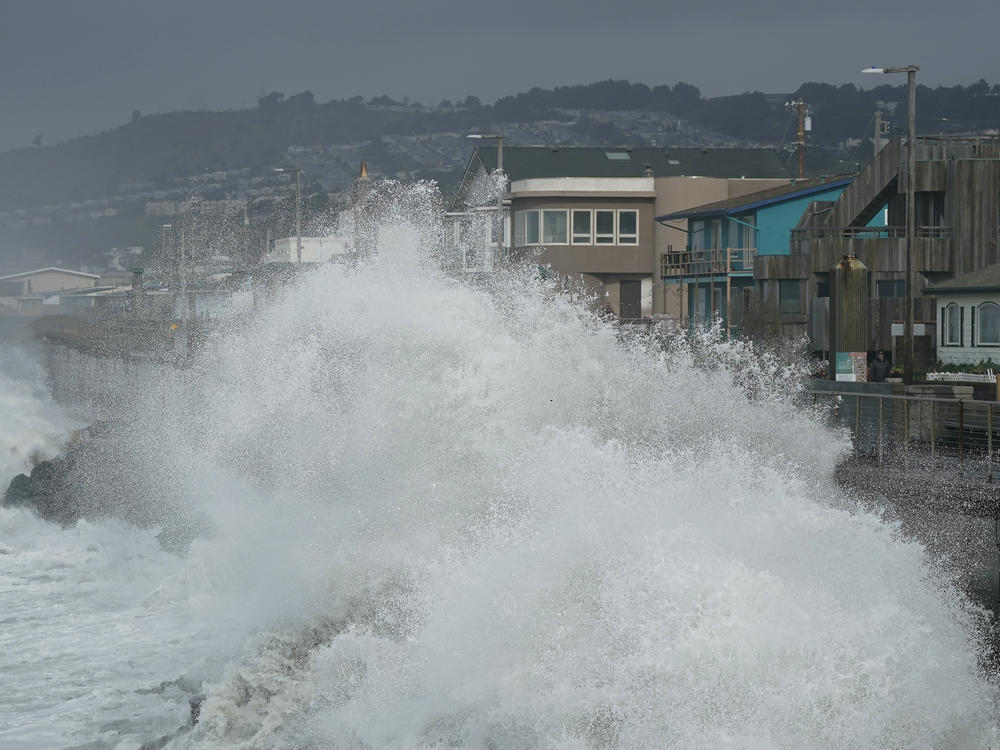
<point x="876" y="233"/>
<point x="718" y="262"/>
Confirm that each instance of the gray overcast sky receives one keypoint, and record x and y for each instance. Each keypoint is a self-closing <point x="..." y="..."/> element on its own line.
<point x="70" y="67"/>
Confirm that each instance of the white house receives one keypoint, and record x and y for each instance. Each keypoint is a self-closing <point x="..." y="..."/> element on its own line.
<point x="968" y="315"/>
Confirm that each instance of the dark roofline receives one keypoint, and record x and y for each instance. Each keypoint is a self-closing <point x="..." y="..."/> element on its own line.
<point x="986" y="279"/>
<point x="936" y="291"/>
<point x="718" y="208"/>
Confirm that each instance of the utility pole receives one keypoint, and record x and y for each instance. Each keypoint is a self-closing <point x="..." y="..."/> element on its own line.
<point x="878" y="131"/>
<point x="803" y="125"/>
<point x="183" y="275"/>
<point x="911" y="174"/>
<point x="298" y="209"/>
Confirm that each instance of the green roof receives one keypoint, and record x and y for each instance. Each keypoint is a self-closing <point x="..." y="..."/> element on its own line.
<point x="532" y="162"/>
<point x="985" y="279"/>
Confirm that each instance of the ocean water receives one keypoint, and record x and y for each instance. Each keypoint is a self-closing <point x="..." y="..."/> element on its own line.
<point x="434" y="514"/>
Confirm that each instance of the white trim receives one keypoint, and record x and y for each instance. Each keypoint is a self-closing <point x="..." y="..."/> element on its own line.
<point x="602" y="185"/>
<point x="48" y="268"/>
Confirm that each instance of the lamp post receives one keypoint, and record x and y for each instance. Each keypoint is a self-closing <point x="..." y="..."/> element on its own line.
<point x="298" y="209"/>
<point x="499" y="139"/>
<point x="911" y="209"/>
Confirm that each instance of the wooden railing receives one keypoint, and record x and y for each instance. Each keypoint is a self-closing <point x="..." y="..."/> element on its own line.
<point x="707" y="262"/>
<point x="878" y="233"/>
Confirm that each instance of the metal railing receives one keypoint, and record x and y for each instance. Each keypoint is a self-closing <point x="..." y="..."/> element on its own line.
<point x="884" y="425"/>
<point x="719" y="262"/>
<point x="875" y="233"/>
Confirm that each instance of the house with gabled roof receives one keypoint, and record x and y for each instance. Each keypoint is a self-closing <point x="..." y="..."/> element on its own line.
<point x="588" y="214"/>
<point x="25" y="292"/>
<point x="968" y="317"/>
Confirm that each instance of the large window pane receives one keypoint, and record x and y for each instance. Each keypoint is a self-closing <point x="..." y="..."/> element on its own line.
<point x="604" y="224"/>
<point x="989" y="323"/>
<point x="891" y="289"/>
<point x="628" y="227"/>
<point x="581" y="228"/>
<point x="554" y="229"/>
<point x="790" y="296"/>
<point x="526" y="228"/>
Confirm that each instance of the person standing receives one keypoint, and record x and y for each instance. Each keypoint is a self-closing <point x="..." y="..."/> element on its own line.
<point x="879" y="368"/>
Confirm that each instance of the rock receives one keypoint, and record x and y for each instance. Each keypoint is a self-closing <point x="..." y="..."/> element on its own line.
<point x="45" y="491"/>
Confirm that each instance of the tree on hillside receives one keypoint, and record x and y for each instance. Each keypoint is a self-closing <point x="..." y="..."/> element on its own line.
<point x="270" y="101"/>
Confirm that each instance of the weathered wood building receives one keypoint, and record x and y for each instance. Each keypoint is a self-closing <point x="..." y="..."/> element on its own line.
<point x="957" y="202"/>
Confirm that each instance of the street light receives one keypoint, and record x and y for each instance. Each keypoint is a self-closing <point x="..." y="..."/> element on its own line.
<point x="499" y="139"/>
<point x="911" y="209"/>
<point x="298" y="209"/>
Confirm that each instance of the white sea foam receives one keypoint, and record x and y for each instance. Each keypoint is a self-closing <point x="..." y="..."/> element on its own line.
<point x="32" y="425"/>
<point x="438" y="516"/>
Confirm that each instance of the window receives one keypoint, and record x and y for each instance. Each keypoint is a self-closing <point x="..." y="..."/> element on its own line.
<point x="605" y="225"/>
<point x="989" y="324"/>
<point x="790" y="296"/>
<point x="554" y="228"/>
<point x="526" y="228"/>
<point x="930" y="208"/>
<point x="891" y="289"/>
<point x="715" y="235"/>
<point x="581" y="226"/>
<point x="582" y="221"/>
<point x="697" y="235"/>
<point x="628" y="227"/>
<point x="953" y="325"/>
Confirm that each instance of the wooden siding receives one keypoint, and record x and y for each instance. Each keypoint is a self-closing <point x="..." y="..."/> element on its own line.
<point x="973" y="205"/>
<point x="930" y="255"/>
<point x="870" y="183"/>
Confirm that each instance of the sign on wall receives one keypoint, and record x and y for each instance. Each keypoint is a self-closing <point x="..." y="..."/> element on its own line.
<point x="852" y="367"/>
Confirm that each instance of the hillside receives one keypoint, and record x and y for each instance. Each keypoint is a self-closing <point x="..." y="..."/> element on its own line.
<point x="91" y="192"/>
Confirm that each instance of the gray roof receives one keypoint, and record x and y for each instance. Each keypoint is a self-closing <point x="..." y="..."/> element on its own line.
<point x="48" y="268"/>
<point x="751" y="201"/>
<point x="985" y="279"/>
<point x="530" y="162"/>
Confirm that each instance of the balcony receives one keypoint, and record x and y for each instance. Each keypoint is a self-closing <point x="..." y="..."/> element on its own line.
<point x="720" y="262"/>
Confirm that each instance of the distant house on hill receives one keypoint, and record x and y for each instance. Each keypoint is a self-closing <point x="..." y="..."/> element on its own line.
<point x="26" y="292"/>
<point x="588" y="213"/>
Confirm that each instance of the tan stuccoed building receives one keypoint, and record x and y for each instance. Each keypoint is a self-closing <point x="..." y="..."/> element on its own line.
<point x="588" y="213"/>
<point x="25" y="292"/>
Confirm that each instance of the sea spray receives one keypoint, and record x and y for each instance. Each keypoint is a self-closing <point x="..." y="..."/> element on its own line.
<point x="435" y="514"/>
<point x="32" y="426"/>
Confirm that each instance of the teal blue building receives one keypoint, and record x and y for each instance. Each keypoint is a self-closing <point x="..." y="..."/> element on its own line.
<point x="724" y="240"/>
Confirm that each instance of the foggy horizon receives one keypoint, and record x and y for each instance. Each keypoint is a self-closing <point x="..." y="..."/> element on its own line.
<point x="82" y="68"/>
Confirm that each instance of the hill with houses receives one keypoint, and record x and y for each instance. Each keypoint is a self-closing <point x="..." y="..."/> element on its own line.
<point x="72" y="201"/>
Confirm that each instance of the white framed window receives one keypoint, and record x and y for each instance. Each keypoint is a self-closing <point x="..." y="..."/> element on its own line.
<point x="604" y="227"/>
<point x="628" y="227"/>
<point x="953" y="325"/>
<point x="988" y="324"/>
<point x="555" y="227"/>
<point x="526" y="228"/>
<point x="583" y="227"/>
